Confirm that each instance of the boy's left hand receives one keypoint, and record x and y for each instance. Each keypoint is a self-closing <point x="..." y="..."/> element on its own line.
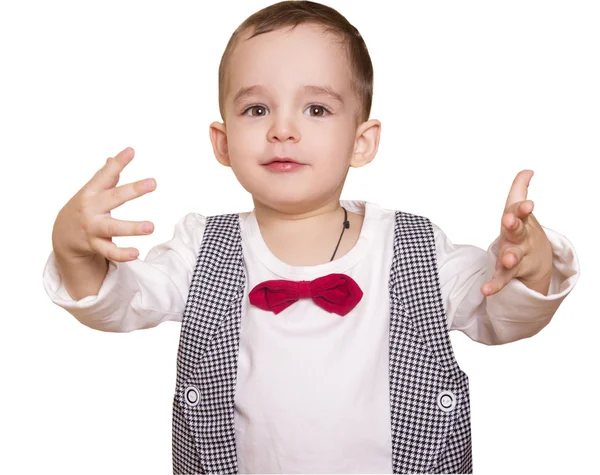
<point x="524" y="251"/>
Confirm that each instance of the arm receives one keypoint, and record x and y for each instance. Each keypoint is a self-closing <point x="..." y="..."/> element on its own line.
<point x="140" y="293"/>
<point x="513" y="313"/>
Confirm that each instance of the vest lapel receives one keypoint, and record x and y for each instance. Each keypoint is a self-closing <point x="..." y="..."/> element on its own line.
<point x="208" y="353"/>
<point x="422" y="365"/>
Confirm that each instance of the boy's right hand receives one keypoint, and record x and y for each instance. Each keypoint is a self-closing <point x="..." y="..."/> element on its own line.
<point x="84" y="227"/>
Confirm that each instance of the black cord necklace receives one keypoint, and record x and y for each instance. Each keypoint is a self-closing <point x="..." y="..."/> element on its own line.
<point x="346" y="225"/>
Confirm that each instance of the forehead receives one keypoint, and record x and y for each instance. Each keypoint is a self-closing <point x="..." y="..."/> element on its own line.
<point x="288" y="59"/>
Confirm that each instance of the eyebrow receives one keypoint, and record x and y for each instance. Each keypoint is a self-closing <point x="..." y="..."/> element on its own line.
<point x="318" y="90"/>
<point x="324" y="91"/>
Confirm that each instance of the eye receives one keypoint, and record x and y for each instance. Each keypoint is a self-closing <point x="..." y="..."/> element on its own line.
<point x="260" y="111"/>
<point x="318" y="110"/>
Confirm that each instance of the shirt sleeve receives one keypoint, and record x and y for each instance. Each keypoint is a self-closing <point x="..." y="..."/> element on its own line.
<point x="514" y="313"/>
<point x="137" y="294"/>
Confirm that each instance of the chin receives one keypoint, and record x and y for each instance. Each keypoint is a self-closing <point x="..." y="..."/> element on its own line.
<point x="288" y="201"/>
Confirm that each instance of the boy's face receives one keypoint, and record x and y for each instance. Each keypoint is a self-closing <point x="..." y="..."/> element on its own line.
<point x="284" y="115"/>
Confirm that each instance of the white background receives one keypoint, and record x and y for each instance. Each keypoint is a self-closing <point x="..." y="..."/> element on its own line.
<point x="469" y="94"/>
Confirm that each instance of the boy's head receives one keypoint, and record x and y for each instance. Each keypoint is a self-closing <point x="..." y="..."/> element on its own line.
<point x="295" y="81"/>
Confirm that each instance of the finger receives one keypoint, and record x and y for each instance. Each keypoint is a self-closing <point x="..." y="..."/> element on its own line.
<point x="115" y="197"/>
<point x="500" y="278"/>
<point x="522" y="209"/>
<point x="518" y="190"/>
<point x="110" y="227"/>
<point x="110" y="250"/>
<point x="511" y="257"/>
<point x="506" y="269"/>
<point x="513" y="229"/>
<point x="108" y="176"/>
<point x="514" y="221"/>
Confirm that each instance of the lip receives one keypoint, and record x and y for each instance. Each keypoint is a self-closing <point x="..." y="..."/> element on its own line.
<point x="283" y="159"/>
<point x="283" y="166"/>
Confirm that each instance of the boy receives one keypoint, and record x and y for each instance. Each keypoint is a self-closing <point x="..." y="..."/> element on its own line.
<point x="305" y="349"/>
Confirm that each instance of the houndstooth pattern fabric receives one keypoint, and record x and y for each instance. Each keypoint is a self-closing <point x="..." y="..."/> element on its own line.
<point x="425" y="439"/>
<point x="203" y="414"/>
<point x="423" y="371"/>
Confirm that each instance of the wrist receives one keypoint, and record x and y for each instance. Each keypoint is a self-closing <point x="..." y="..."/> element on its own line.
<point x="539" y="282"/>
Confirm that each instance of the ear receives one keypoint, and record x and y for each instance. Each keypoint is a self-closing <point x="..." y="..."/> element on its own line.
<point x="218" y="138"/>
<point x="366" y="143"/>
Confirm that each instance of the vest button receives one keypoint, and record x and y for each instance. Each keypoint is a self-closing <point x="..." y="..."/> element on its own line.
<point x="191" y="395"/>
<point x="446" y="400"/>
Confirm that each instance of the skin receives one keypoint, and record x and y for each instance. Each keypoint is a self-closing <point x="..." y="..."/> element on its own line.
<point x="524" y="251"/>
<point x="299" y="213"/>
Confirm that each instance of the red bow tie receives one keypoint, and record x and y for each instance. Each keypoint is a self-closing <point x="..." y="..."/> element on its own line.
<point x="336" y="293"/>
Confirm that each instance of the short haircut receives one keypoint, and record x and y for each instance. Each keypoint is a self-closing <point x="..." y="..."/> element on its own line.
<point x="293" y="13"/>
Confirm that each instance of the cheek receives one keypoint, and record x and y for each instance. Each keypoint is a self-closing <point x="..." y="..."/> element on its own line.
<point x="336" y="144"/>
<point x="243" y="144"/>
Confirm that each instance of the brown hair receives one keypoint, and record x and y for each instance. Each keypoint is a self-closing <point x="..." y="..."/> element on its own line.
<point x="293" y="13"/>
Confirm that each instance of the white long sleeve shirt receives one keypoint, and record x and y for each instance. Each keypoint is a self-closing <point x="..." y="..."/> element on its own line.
<point x="281" y="426"/>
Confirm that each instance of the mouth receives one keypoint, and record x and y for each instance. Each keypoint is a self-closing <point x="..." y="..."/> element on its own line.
<point x="283" y="164"/>
<point x="282" y="160"/>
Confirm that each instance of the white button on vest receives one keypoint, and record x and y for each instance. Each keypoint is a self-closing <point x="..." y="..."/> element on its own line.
<point x="191" y="396"/>
<point x="446" y="401"/>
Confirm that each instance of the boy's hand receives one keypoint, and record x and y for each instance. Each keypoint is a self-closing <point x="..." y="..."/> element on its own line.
<point x="84" y="227"/>
<point x="524" y="251"/>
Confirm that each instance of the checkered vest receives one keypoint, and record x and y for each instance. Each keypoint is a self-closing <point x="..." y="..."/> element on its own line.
<point x="429" y="393"/>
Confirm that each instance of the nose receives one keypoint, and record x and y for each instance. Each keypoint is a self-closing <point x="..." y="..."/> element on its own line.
<point x="283" y="128"/>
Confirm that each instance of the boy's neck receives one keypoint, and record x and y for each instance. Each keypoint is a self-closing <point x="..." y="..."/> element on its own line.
<point x="297" y="217"/>
<point x="307" y="237"/>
